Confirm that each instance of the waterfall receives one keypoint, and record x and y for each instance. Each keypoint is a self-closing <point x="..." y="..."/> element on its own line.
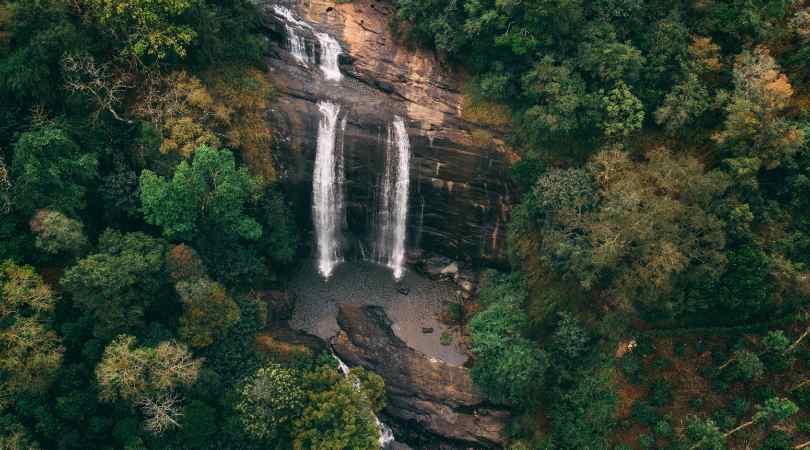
<point x="330" y="49"/>
<point x="386" y="435"/>
<point x="392" y="213"/>
<point x="327" y="193"/>
<point x="298" y="47"/>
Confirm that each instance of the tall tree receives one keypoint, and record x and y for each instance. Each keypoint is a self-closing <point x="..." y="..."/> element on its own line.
<point x="147" y="27"/>
<point x="208" y="196"/>
<point x="208" y="311"/>
<point x="149" y="378"/>
<point x="119" y="282"/>
<point x="49" y="170"/>
<point x="30" y="350"/>
<point x="57" y="233"/>
<point x="755" y="125"/>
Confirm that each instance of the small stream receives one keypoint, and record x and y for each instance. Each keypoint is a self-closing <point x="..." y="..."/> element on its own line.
<point x="386" y="435"/>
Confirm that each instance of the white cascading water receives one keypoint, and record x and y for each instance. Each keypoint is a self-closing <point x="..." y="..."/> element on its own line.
<point x="330" y="47"/>
<point x="327" y="193"/>
<point x="330" y="50"/>
<point x="386" y="435"/>
<point x="298" y="47"/>
<point x="392" y="215"/>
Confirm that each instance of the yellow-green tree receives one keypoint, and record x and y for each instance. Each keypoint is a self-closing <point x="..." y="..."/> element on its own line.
<point x="30" y="351"/>
<point x="149" y="378"/>
<point x="151" y="28"/>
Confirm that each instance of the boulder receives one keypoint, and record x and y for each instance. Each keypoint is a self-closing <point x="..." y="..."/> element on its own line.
<point x="423" y="394"/>
<point x="433" y="266"/>
<point x="285" y="344"/>
<point x="450" y="269"/>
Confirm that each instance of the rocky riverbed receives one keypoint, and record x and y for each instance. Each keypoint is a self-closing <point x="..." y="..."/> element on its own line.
<point x="412" y="304"/>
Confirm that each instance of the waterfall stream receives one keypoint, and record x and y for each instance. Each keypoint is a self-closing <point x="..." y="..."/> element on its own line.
<point x="330" y="50"/>
<point x="328" y="176"/>
<point x="327" y="193"/>
<point x="386" y="435"/>
<point x="392" y="212"/>
<point x="330" y="47"/>
<point x="298" y="47"/>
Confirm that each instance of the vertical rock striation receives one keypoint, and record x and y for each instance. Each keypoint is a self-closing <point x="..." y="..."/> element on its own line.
<point x="459" y="193"/>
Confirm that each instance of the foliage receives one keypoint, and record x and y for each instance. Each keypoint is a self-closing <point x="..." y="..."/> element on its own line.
<point x="50" y="171"/>
<point x="224" y="107"/>
<point x="753" y="125"/>
<point x="148" y="377"/>
<point x="208" y="311"/>
<point x="184" y="264"/>
<point x="57" y="233"/>
<point x="337" y="415"/>
<point x="583" y="416"/>
<point x="279" y="235"/>
<point x="30" y="350"/>
<point x="116" y="284"/>
<point x="509" y="367"/>
<point x="624" y="112"/>
<point x="207" y="196"/>
<point x="270" y="399"/>
<point x="146" y="28"/>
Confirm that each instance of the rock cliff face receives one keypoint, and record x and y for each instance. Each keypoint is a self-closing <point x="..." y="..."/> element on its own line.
<point x="422" y="393"/>
<point x="459" y="193"/>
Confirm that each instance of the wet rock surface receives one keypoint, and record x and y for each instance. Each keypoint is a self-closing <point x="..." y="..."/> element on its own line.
<point x="423" y="393"/>
<point x="459" y="191"/>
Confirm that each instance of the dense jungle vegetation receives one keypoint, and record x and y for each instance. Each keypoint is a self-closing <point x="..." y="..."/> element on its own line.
<point x="139" y="211"/>
<point x="658" y="297"/>
<point x="665" y="154"/>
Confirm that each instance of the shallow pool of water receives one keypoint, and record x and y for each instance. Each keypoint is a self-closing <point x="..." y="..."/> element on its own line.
<point x="364" y="283"/>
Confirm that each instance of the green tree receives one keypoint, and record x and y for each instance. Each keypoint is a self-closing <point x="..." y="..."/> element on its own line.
<point x="148" y="377"/>
<point x="336" y="415"/>
<point x="56" y="233"/>
<point x="209" y="195"/>
<point x="279" y="237"/>
<point x="706" y="435"/>
<point x="747" y="365"/>
<point x="745" y="288"/>
<point x="17" y="437"/>
<point x="754" y="124"/>
<point x="208" y="311"/>
<point x="116" y="284"/>
<point x="147" y="28"/>
<point x="509" y="367"/>
<point x="270" y="400"/>
<point x="372" y="386"/>
<point x="686" y="102"/>
<point x="569" y="341"/>
<point x="49" y="170"/>
<point x="559" y="94"/>
<point x="30" y="351"/>
<point x="623" y="113"/>
<point x="584" y="416"/>
<point x="654" y="228"/>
